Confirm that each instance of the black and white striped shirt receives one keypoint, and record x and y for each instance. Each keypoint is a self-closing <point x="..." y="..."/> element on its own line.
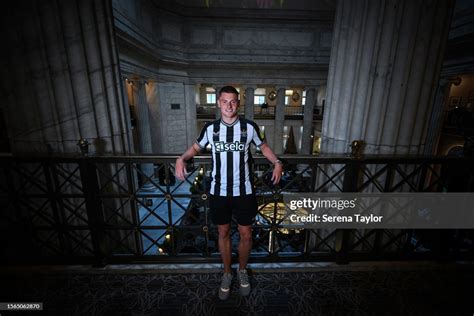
<point x="230" y="152"/>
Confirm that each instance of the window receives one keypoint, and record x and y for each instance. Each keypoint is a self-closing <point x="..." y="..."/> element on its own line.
<point x="259" y="96"/>
<point x="210" y="98"/>
<point x="258" y="99"/>
<point x="210" y="95"/>
<point x="240" y="97"/>
<point x="303" y="98"/>
<point x="288" y="94"/>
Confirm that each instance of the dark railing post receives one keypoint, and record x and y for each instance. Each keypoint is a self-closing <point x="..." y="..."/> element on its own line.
<point x="308" y="238"/>
<point x="205" y="204"/>
<point x="171" y="228"/>
<point x="55" y="200"/>
<point x="314" y="170"/>
<point x="351" y="180"/>
<point x="377" y="249"/>
<point x="273" y="245"/>
<point x="95" y="212"/>
<point x="389" y="177"/>
<point x="131" y="186"/>
<point x="351" y="176"/>
<point x="422" y="179"/>
<point x="306" y="246"/>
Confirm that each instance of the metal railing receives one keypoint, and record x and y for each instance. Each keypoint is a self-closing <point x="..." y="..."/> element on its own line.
<point x="103" y="210"/>
<point x="260" y="112"/>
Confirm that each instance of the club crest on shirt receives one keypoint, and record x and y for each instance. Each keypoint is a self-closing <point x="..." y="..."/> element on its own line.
<point x="223" y="146"/>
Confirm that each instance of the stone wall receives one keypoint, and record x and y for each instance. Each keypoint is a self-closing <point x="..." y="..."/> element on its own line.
<point x="181" y="50"/>
<point x="193" y="42"/>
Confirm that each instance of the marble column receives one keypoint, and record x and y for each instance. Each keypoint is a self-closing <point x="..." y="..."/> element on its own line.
<point x="64" y="82"/>
<point x="279" y="121"/>
<point x="308" y="129"/>
<point x="156" y="116"/>
<point x="249" y="94"/>
<point x="143" y="127"/>
<point x="385" y="62"/>
<point x="143" y="116"/>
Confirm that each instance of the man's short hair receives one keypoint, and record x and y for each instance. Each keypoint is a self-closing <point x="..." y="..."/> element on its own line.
<point x="228" y="89"/>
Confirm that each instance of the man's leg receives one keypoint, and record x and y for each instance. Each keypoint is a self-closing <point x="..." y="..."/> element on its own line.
<point x="225" y="246"/>
<point x="221" y="215"/>
<point x="245" y="245"/>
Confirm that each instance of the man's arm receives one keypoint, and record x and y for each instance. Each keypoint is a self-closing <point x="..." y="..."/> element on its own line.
<point x="277" y="165"/>
<point x="180" y="161"/>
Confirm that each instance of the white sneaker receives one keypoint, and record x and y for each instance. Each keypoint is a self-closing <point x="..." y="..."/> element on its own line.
<point x="226" y="283"/>
<point x="243" y="277"/>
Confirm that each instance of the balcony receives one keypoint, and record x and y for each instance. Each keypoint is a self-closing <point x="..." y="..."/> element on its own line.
<point x="208" y="111"/>
<point x="96" y="210"/>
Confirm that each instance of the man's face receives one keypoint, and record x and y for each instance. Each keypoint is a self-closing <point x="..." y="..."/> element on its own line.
<point x="228" y="104"/>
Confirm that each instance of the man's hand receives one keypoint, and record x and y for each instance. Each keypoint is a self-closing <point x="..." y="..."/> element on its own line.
<point x="180" y="169"/>
<point x="277" y="170"/>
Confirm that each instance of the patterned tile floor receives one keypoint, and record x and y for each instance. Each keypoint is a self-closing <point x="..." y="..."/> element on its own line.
<point x="437" y="289"/>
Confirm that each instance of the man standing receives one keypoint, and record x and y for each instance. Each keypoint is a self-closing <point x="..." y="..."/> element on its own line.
<point x="231" y="191"/>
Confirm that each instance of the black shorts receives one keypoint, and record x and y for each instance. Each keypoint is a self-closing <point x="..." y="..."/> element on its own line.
<point x="244" y="209"/>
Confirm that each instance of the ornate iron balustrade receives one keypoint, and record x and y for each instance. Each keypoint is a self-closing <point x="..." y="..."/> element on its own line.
<point x="260" y="112"/>
<point x="96" y="210"/>
<point x="294" y="110"/>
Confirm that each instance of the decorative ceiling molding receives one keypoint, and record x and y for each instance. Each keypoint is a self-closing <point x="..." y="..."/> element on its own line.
<point x="309" y="10"/>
